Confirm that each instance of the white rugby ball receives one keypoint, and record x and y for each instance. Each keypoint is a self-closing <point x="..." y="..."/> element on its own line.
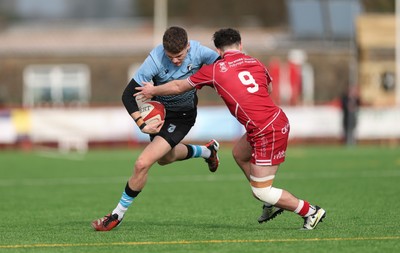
<point x="152" y="111"/>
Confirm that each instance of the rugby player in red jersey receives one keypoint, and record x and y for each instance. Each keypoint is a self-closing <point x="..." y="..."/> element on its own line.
<point x="244" y="84"/>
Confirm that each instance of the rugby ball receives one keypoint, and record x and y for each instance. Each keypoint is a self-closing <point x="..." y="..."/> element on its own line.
<point x="152" y="111"/>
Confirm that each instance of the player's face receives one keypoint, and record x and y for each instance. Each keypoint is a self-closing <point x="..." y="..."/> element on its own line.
<point x="178" y="58"/>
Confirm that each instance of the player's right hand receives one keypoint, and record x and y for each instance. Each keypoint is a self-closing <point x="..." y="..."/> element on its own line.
<point x="153" y="127"/>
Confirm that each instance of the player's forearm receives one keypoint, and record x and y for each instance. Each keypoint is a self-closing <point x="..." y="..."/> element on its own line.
<point x="135" y="115"/>
<point x="128" y="99"/>
<point x="148" y="90"/>
<point x="172" y="88"/>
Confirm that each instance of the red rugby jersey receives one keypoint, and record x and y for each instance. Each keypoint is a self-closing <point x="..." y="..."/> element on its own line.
<point x="242" y="82"/>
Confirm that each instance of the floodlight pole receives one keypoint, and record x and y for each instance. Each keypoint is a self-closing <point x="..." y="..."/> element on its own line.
<point x="160" y="20"/>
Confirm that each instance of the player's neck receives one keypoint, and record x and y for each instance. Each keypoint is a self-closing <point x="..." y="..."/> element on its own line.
<point x="230" y="50"/>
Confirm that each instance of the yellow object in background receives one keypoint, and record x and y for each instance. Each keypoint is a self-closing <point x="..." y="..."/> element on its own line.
<point x="21" y="119"/>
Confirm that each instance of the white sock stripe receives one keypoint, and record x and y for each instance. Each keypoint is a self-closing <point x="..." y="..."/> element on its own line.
<point x="261" y="179"/>
<point x="300" y="206"/>
<point x="205" y="152"/>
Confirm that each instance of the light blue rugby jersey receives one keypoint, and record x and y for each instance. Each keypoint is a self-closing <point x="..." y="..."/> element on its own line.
<point x="158" y="68"/>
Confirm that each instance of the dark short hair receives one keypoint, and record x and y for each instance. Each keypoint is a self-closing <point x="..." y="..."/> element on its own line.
<point x="175" y="39"/>
<point x="226" y="37"/>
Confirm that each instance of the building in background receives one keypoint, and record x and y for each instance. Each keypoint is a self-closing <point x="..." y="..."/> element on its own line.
<point x="107" y="38"/>
<point x="66" y="63"/>
<point x="376" y="43"/>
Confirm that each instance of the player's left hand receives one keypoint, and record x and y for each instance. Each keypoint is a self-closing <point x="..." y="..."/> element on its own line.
<point x="146" y="90"/>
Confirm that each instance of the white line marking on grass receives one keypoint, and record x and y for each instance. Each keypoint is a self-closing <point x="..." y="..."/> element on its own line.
<point x="302" y="240"/>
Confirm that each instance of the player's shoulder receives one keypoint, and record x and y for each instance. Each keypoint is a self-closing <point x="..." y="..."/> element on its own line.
<point x="196" y="47"/>
<point x="202" y="53"/>
<point x="195" y="43"/>
<point x="157" y="52"/>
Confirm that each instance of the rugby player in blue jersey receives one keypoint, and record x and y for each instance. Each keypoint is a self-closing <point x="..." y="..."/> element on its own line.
<point x="176" y="58"/>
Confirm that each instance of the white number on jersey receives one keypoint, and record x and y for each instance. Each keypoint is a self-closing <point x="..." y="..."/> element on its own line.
<point x="247" y="79"/>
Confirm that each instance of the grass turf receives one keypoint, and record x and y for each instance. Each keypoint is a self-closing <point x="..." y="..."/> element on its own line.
<point x="48" y="201"/>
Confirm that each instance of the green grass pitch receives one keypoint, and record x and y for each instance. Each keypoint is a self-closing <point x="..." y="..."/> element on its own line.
<point x="47" y="201"/>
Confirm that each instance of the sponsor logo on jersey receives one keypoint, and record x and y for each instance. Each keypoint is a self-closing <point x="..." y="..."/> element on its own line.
<point x="285" y="129"/>
<point x="280" y="155"/>
<point x="223" y="67"/>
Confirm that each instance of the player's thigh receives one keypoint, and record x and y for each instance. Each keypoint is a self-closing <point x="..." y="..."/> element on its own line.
<point x="155" y="150"/>
<point x="261" y="171"/>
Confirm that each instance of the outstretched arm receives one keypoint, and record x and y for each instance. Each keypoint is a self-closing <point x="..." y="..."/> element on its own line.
<point x="171" y="88"/>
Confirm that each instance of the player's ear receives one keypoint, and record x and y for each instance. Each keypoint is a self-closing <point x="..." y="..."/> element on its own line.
<point x="220" y="52"/>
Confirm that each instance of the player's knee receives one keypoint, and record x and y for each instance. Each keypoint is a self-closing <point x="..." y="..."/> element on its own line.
<point x="166" y="159"/>
<point x="141" y="165"/>
<point x="268" y="194"/>
<point x="263" y="190"/>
